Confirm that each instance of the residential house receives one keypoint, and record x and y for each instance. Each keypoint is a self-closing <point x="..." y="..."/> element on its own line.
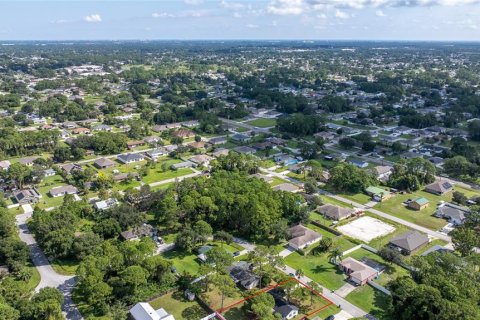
<point x="217" y="140"/>
<point x="382" y="172"/>
<point x="184" y="164"/>
<point x="27" y="196"/>
<point x="81" y="131"/>
<point x="378" y="194"/>
<point x="183" y="133"/>
<point x="302" y="237"/>
<point x="69" y="167"/>
<point x="4" y="165"/>
<point x="284" y="159"/>
<point x="135" y="143"/>
<point x="409" y="242"/>
<point x="104" y="163"/>
<point x="103" y="127"/>
<point x="359" y="163"/>
<point x="197" y="144"/>
<point x="335" y="212"/>
<point x="242" y="276"/>
<point x="201" y="159"/>
<point x="125" y="176"/>
<point x="156" y="153"/>
<point x="28" y="161"/>
<point x="127" y="158"/>
<point x="49" y="172"/>
<point x="244" y="150"/>
<point x="220" y="152"/>
<point x="419" y="204"/>
<point x="439" y="187"/>
<point x="128" y="236"/>
<point x="451" y="212"/>
<point x="63" y="190"/>
<point x="106" y="204"/>
<point x="190" y="123"/>
<point x="152" y="140"/>
<point x="240" y="137"/>
<point x="357" y="271"/>
<point x="286" y="311"/>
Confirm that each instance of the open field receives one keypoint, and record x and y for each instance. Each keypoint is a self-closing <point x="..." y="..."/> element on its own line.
<point x="366" y="229"/>
<point x="424" y="218"/>
<point x="176" y="304"/>
<point x="372" y="301"/>
<point x="262" y="123"/>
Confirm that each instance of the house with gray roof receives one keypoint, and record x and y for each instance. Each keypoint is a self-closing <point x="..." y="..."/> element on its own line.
<point x="335" y="212"/>
<point x="439" y="187"/>
<point x="104" y="163"/>
<point x="451" y="212"/>
<point x="63" y="190"/>
<point x="409" y="242"/>
<point x="127" y="158"/>
<point x="27" y="196"/>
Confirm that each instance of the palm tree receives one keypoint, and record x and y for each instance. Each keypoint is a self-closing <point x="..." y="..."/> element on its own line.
<point x="334" y="255"/>
<point x="315" y="286"/>
<point x="299" y="273"/>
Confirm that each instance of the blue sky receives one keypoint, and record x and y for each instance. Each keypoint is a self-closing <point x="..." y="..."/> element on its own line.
<point x="240" y="19"/>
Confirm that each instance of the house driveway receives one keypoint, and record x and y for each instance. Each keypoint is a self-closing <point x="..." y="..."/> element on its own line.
<point x="48" y="276"/>
<point x="345" y="289"/>
<point x="286" y="252"/>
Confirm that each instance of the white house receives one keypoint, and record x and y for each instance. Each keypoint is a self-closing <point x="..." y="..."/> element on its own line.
<point x="144" y="311"/>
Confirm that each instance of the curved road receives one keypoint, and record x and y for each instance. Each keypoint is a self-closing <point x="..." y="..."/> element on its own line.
<point x="48" y="276"/>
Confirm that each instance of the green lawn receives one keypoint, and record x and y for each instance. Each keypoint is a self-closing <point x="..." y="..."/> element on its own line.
<point x="370" y="300"/>
<point x="391" y="272"/>
<point x="276" y="181"/>
<point x="318" y="268"/>
<point x="34" y="279"/>
<point x="241" y="129"/>
<point x="65" y="267"/>
<point x="183" y="262"/>
<point x="425" y="218"/>
<point x="157" y="175"/>
<point x="262" y="123"/>
<point x="176" y="304"/>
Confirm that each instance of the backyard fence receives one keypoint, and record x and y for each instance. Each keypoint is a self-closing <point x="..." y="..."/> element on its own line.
<point x="379" y="287"/>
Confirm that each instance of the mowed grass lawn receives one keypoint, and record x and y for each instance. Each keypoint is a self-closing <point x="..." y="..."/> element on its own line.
<point x="176" y="304"/>
<point x="317" y="268"/>
<point x="424" y="218"/>
<point x="262" y="123"/>
<point x="370" y="300"/>
<point x="183" y="262"/>
<point x="155" y="175"/>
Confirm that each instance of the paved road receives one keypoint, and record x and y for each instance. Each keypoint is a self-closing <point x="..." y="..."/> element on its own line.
<point x="393" y="218"/>
<point x="48" y="276"/>
<point x="244" y="125"/>
<point x="339" y="301"/>
<point x="372" y="210"/>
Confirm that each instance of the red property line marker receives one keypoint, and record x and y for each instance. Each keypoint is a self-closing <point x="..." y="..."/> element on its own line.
<point x="254" y="295"/>
<point x="266" y="289"/>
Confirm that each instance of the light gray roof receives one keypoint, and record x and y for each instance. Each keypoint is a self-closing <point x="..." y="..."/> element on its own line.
<point x="335" y="212"/>
<point x="410" y="240"/>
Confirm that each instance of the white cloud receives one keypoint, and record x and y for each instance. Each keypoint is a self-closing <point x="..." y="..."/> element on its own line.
<point x="237" y="15"/>
<point x="380" y="13"/>
<point x="297" y="7"/>
<point x="286" y="7"/>
<point x="60" y="21"/>
<point x="93" y="18"/>
<point x="193" y="2"/>
<point x="341" y="15"/>
<point x="181" y="14"/>
<point x="251" y="26"/>
<point x="231" y="5"/>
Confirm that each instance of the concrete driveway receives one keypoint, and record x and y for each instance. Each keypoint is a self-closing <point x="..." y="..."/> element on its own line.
<point x="48" y="276"/>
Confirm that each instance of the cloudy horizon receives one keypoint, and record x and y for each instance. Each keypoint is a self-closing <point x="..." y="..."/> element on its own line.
<point x="436" y="20"/>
